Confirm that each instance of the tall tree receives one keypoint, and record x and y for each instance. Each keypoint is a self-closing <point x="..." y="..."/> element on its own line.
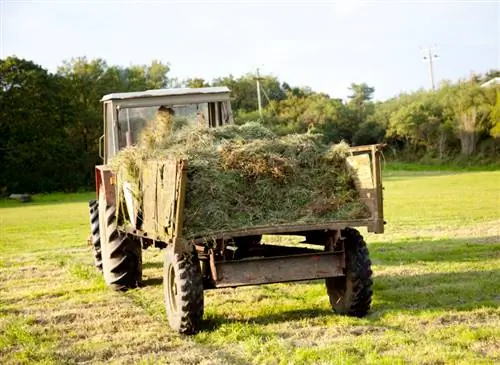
<point x="469" y="104"/>
<point x="361" y="93"/>
<point x="156" y="75"/>
<point x="495" y="116"/>
<point x="35" y="150"/>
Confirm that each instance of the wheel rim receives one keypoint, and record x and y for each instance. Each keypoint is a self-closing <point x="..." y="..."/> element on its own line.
<point x="172" y="289"/>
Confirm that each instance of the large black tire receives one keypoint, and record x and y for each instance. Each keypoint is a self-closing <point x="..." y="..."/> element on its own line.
<point x="95" y="236"/>
<point x="352" y="294"/>
<point x="183" y="287"/>
<point x="121" y="256"/>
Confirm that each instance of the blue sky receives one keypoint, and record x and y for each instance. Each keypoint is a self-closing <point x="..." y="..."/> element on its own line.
<point x="322" y="44"/>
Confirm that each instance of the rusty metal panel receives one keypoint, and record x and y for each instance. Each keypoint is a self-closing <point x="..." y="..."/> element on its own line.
<point x="166" y="197"/>
<point x="108" y="180"/>
<point x="284" y="229"/>
<point x="149" y="214"/>
<point x="278" y="269"/>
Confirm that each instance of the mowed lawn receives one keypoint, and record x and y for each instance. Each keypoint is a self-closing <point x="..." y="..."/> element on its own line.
<point x="436" y="291"/>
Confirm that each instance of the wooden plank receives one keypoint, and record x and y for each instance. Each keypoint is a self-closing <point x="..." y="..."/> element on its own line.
<point x="378" y="211"/>
<point x="367" y="148"/>
<point x="149" y="176"/>
<point x="180" y="245"/>
<point x="360" y="165"/>
<point x="181" y="195"/>
<point x="278" y="269"/>
<point x="166" y="198"/>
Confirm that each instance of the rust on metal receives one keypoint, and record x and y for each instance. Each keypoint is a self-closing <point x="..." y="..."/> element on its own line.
<point x="278" y="269"/>
<point x="284" y="229"/>
<point x="107" y="179"/>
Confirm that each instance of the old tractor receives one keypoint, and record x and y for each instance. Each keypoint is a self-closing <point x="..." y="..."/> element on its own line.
<point x="335" y="251"/>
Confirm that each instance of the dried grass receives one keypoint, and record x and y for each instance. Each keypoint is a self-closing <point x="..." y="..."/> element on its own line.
<point x="246" y="176"/>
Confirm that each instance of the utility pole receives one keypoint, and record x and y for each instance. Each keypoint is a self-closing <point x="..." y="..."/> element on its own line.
<point x="430" y="54"/>
<point x="257" y="79"/>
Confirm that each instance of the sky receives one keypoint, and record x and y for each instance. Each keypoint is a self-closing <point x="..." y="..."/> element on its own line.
<point x="325" y="45"/>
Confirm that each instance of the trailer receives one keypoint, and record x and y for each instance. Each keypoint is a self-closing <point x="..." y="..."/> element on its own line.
<point x="122" y="226"/>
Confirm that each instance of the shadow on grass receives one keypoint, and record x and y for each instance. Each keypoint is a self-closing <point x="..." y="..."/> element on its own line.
<point x="152" y="282"/>
<point x="404" y="292"/>
<point x="215" y="321"/>
<point x="443" y="291"/>
<point x="444" y="250"/>
<point x="416" y="294"/>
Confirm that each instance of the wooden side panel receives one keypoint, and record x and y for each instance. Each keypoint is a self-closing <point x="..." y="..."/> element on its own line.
<point x="164" y="184"/>
<point x="149" y="176"/>
<point x="166" y="198"/>
<point x="378" y="226"/>
<point x="361" y="164"/>
<point x="363" y="178"/>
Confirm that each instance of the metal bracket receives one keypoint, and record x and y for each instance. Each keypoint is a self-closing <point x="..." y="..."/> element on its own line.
<point x="101" y="140"/>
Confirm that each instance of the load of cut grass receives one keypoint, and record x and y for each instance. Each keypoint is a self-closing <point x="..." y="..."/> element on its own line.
<point x="246" y="176"/>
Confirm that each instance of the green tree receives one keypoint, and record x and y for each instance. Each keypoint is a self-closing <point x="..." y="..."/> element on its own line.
<point x="469" y="105"/>
<point x="87" y="82"/>
<point x="197" y="83"/>
<point x="495" y="117"/>
<point x="35" y="150"/>
<point x="361" y="93"/>
<point x="360" y="108"/>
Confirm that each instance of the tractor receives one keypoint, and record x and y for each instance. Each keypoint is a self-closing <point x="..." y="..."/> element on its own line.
<point x="122" y="225"/>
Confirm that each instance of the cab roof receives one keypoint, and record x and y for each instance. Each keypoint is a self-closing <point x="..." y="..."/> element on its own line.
<point x="166" y="92"/>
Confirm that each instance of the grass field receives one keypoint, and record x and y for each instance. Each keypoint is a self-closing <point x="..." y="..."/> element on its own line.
<point x="436" y="291"/>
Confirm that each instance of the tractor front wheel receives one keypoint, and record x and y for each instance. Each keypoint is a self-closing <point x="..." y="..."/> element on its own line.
<point x="183" y="286"/>
<point x="121" y="255"/>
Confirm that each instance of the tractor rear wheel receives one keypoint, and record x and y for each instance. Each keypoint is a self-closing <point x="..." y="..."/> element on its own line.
<point x="95" y="236"/>
<point x="183" y="287"/>
<point x="352" y="294"/>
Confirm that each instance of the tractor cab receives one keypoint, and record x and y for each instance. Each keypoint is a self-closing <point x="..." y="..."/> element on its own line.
<point x="126" y="114"/>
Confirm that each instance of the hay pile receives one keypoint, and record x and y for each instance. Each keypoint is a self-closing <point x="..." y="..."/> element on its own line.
<point x="245" y="176"/>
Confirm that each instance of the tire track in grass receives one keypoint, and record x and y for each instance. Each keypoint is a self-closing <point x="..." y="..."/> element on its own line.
<point x="65" y="314"/>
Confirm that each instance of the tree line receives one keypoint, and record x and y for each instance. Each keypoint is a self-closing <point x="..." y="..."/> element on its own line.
<point x="50" y="123"/>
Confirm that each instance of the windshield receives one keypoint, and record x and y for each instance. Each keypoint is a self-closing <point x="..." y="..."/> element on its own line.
<point x="135" y="120"/>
